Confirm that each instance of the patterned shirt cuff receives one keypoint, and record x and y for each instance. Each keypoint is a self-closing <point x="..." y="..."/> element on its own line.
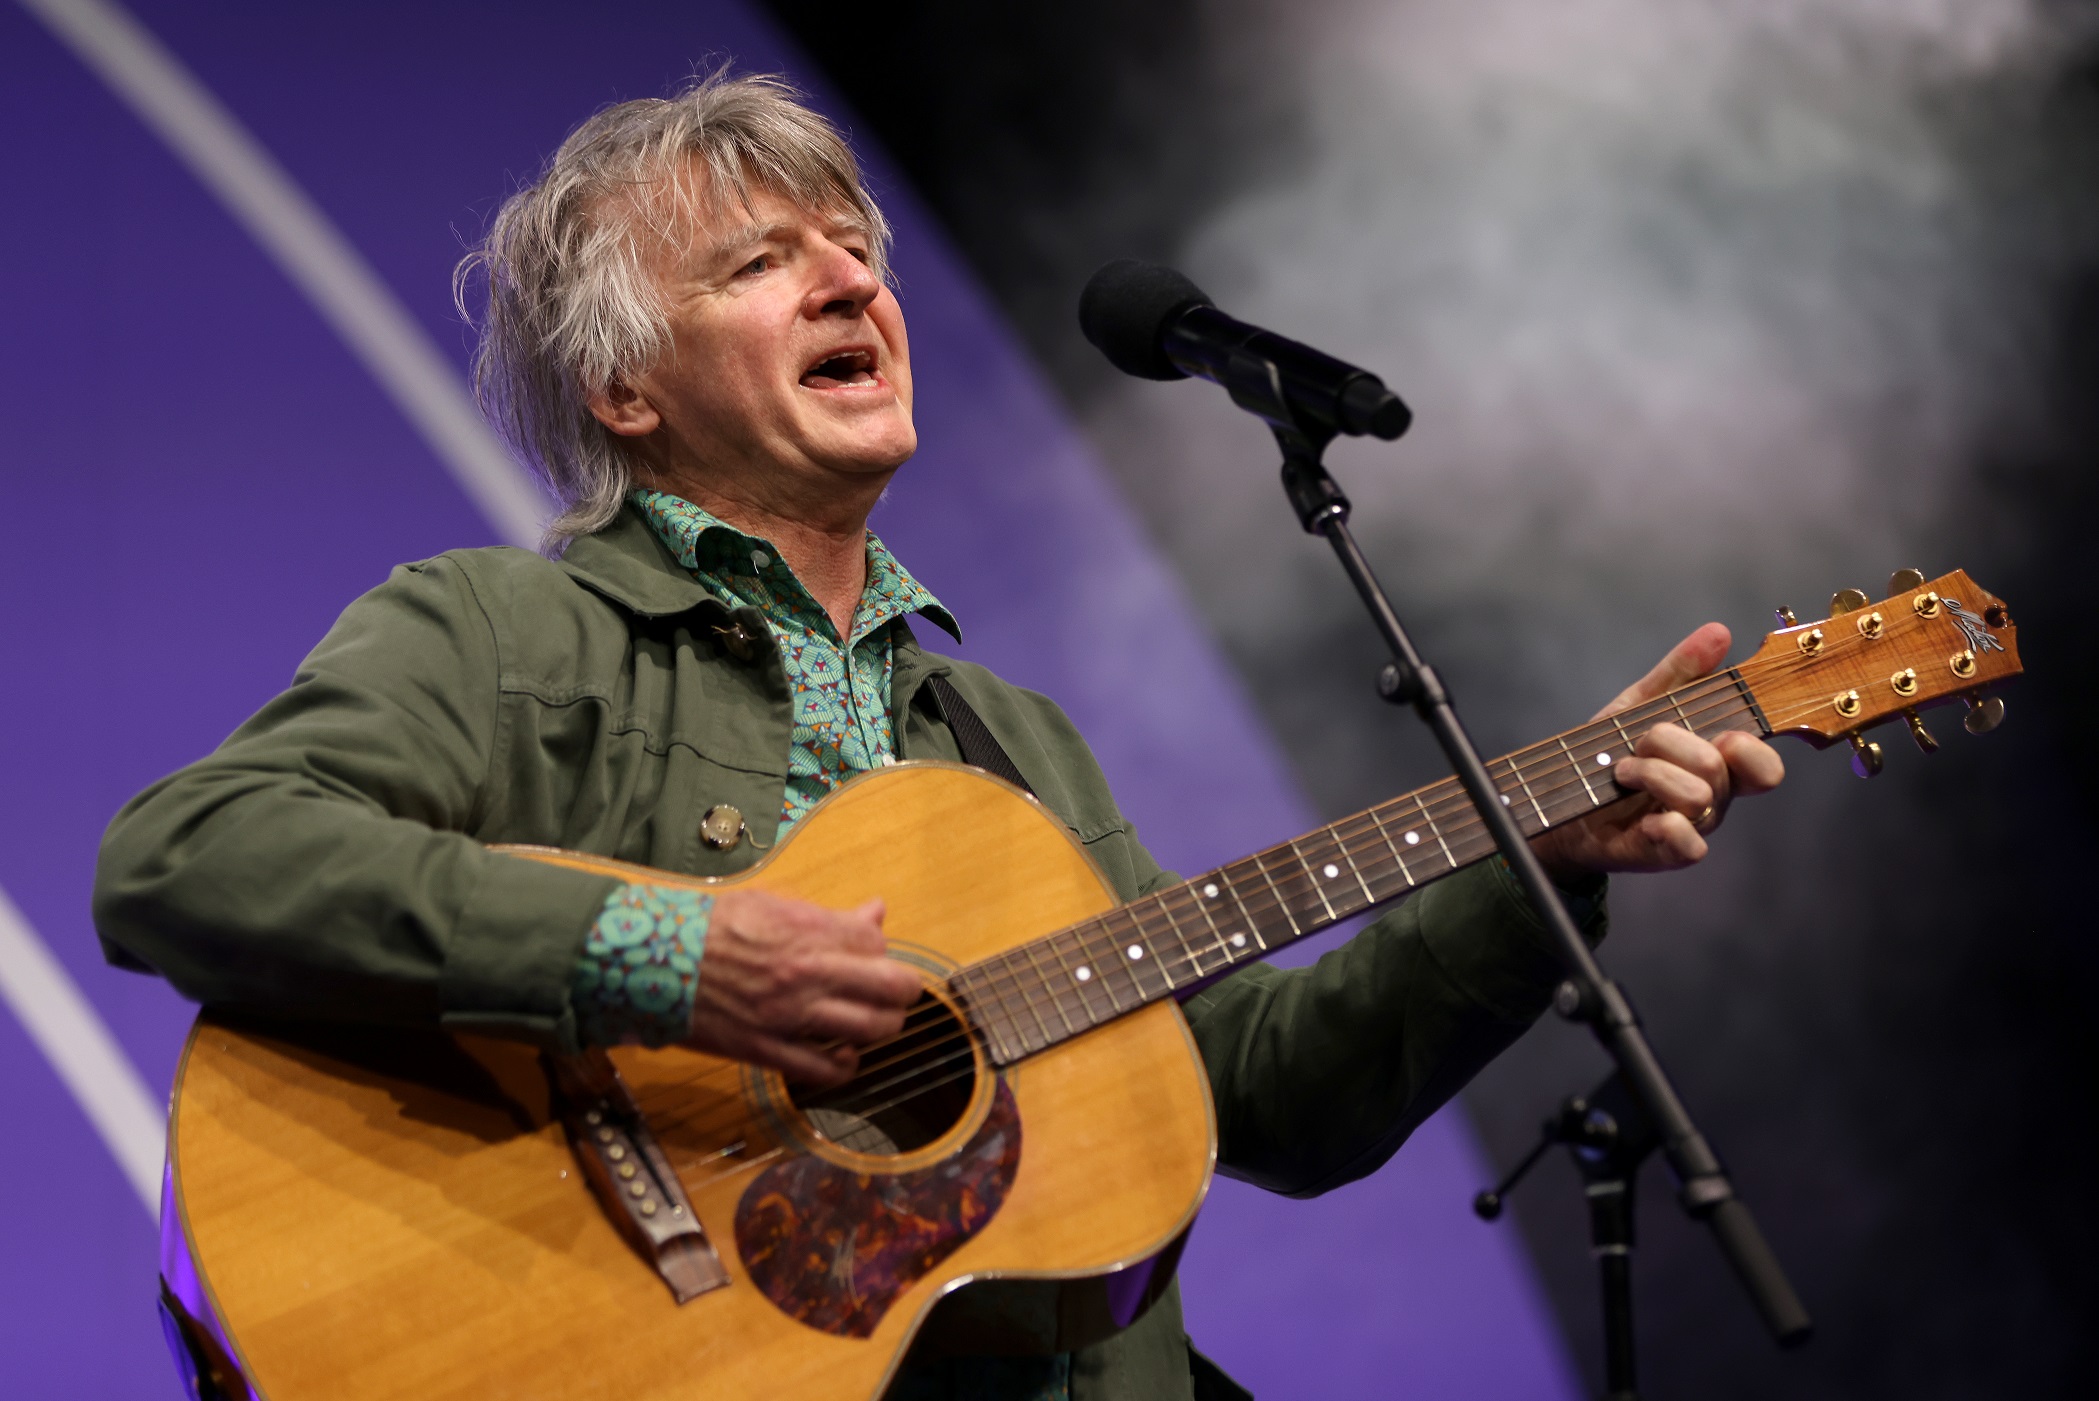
<point x="640" y="965"/>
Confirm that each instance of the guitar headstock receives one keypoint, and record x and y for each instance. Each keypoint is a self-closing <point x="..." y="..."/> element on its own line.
<point x="1930" y="642"/>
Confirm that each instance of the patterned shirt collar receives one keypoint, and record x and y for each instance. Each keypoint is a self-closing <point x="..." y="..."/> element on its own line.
<point x="746" y="569"/>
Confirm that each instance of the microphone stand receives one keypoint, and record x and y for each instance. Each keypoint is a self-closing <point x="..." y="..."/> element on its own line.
<point x="1589" y="995"/>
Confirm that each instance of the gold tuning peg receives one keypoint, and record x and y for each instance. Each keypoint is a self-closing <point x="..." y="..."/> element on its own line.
<point x="1905" y="581"/>
<point x="1785" y="616"/>
<point x="1865" y="757"/>
<point x="1984" y="714"/>
<point x="1846" y="601"/>
<point x="1917" y="731"/>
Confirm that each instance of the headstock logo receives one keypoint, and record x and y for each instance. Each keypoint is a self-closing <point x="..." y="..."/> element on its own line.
<point x="1972" y="628"/>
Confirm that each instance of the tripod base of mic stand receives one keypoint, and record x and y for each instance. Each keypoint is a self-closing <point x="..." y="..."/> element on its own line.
<point x="1609" y="1137"/>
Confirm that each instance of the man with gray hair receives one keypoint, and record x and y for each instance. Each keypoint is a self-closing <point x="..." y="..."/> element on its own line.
<point x="690" y="337"/>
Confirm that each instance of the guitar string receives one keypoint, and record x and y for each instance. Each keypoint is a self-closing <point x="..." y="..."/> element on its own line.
<point x="1342" y="833"/>
<point x="1184" y="956"/>
<point x="1515" y="764"/>
<point x="864" y="1070"/>
<point x="919" y="1019"/>
<point x="863" y="1089"/>
<point x="1346" y="832"/>
<point x="1449" y="798"/>
<point x="746" y="1165"/>
<point x="1519" y="766"/>
<point x="1464" y="830"/>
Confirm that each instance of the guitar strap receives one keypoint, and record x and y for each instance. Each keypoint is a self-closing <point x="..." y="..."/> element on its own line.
<point x="974" y="736"/>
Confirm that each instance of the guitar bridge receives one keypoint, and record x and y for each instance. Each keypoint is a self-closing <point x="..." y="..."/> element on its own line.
<point x="627" y="1170"/>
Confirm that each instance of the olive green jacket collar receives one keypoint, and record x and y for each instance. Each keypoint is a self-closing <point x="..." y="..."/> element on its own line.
<point x="629" y="564"/>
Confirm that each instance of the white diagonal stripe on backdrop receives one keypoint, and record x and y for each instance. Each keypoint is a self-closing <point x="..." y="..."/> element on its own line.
<point x="51" y="1007"/>
<point x="291" y="228"/>
<point x="423" y="385"/>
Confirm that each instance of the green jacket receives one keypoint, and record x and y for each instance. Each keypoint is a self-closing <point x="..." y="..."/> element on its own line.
<point x="329" y="859"/>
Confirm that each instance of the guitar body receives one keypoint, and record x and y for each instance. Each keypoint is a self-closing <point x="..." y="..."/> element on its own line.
<point x="379" y="1213"/>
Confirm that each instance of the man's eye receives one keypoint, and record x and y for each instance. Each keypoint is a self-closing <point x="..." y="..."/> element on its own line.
<point x="757" y="264"/>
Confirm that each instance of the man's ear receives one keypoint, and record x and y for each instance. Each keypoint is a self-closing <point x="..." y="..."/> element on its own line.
<point x="625" y="410"/>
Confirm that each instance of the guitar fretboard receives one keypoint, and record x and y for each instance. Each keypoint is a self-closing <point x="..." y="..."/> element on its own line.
<point x="1053" y="988"/>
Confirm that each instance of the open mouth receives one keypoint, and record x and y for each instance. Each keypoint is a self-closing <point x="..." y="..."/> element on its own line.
<point x="846" y="369"/>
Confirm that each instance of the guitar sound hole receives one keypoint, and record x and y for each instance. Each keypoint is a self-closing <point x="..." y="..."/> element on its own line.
<point x="909" y="1091"/>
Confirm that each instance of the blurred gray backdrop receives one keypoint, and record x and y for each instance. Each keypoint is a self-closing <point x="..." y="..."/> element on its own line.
<point x="1703" y="307"/>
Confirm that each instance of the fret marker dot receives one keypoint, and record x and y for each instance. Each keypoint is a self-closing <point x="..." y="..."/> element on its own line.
<point x="1504" y="800"/>
<point x="1238" y="941"/>
<point x="1331" y="870"/>
<point x="1136" y="952"/>
<point x="1210" y="891"/>
<point x="1413" y="839"/>
<point x="1603" y="760"/>
<point x="1084" y="973"/>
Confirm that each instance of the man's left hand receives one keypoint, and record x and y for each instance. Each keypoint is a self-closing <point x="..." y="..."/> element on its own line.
<point x="1685" y="782"/>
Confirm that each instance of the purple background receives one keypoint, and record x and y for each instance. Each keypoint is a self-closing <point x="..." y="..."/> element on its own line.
<point x="199" y="476"/>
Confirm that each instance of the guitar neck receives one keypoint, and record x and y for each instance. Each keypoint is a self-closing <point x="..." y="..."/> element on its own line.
<point x="1051" y="989"/>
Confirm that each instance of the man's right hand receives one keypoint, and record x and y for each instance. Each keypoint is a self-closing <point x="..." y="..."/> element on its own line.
<point x="797" y="987"/>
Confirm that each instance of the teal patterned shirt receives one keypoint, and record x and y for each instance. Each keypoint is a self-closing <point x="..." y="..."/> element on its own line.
<point x="841" y="684"/>
<point x="639" y="968"/>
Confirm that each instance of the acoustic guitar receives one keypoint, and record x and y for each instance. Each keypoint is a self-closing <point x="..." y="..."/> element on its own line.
<point x="380" y="1213"/>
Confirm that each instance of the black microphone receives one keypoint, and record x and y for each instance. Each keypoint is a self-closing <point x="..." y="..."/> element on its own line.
<point x="1154" y="323"/>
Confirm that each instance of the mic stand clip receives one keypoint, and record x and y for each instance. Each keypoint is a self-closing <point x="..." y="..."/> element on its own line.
<point x="1609" y="1137"/>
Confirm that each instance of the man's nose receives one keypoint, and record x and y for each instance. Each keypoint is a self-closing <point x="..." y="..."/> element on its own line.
<point x="844" y="286"/>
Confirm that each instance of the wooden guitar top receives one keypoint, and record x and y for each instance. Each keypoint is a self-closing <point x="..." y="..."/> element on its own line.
<point x="385" y="1213"/>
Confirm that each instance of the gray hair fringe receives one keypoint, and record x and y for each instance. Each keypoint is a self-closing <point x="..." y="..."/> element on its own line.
<point x="571" y="305"/>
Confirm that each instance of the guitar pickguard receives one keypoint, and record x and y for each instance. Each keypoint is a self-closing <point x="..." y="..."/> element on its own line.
<point x="833" y="1248"/>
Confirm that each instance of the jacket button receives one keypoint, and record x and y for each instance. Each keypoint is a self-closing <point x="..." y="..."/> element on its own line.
<point x="721" y="827"/>
<point x="737" y="641"/>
